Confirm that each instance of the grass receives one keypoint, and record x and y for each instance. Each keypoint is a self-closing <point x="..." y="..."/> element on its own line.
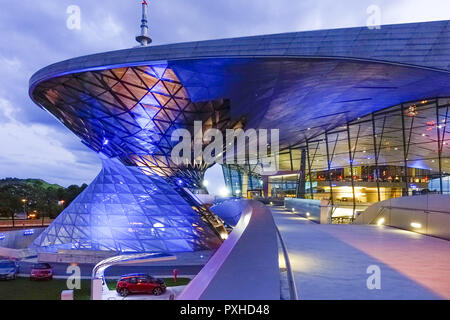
<point x="24" y="289"/>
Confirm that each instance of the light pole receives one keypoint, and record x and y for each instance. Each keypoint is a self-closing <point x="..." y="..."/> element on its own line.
<point x="24" y="201"/>
<point x="61" y="203"/>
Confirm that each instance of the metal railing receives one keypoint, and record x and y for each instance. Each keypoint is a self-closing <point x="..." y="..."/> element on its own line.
<point x="418" y="214"/>
<point x="290" y="275"/>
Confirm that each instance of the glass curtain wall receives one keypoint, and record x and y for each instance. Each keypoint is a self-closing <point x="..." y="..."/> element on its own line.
<point x="399" y="151"/>
<point x="242" y="181"/>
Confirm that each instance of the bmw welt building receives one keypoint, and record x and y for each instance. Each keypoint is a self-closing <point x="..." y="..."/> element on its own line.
<point x="362" y="117"/>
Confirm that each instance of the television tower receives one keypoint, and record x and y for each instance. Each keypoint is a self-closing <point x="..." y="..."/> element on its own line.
<point x="143" y="38"/>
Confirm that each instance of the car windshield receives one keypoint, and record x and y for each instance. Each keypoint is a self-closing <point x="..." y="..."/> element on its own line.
<point x="41" y="266"/>
<point x="7" y="264"/>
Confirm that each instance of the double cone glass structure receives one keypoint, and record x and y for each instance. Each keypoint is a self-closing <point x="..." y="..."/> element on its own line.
<point x="137" y="203"/>
<point x="124" y="210"/>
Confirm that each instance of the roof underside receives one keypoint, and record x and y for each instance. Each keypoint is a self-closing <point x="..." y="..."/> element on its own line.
<point x="295" y="81"/>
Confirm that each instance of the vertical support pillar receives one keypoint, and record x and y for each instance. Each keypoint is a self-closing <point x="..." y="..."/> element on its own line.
<point x="329" y="168"/>
<point x="309" y="170"/>
<point x="376" y="151"/>
<point x="266" y="186"/>
<point x="244" y="189"/>
<point x="405" y="153"/>
<point x="441" y="185"/>
<point x="250" y="179"/>
<point x="290" y="158"/>
<point x="351" y="169"/>
<point x="301" y="189"/>
<point x="239" y="183"/>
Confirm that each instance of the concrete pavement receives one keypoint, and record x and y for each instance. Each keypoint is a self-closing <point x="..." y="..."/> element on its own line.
<point x="331" y="261"/>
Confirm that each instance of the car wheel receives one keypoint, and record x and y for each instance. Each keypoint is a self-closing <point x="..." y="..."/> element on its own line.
<point x="157" y="291"/>
<point x="124" y="292"/>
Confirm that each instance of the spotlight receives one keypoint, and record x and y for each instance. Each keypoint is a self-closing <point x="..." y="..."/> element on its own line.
<point x="416" y="225"/>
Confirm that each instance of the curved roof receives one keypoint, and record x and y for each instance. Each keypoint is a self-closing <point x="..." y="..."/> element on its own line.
<point x="425" y="44"/>
<point x="316" y="79"/>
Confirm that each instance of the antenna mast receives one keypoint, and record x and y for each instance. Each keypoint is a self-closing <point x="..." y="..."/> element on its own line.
<point x="144" y="38"/>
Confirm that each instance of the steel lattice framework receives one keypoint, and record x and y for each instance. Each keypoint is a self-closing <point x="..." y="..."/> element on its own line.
<point x="124" y="210"/>
<point x="131" y="113"/>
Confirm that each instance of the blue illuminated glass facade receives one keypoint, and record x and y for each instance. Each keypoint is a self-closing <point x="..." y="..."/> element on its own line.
<point x="125" y="210"/>
<point x="131" y="113"/>
<point x="243" y="181"/>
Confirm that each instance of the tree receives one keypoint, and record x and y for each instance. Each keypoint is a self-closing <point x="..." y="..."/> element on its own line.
<point x="39" y="195"/>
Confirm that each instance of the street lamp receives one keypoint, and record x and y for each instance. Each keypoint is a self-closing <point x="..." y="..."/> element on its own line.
<point x="24" y="201"/>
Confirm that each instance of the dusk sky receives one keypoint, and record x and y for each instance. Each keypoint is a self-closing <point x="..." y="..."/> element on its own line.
<point x="34" y="34"/>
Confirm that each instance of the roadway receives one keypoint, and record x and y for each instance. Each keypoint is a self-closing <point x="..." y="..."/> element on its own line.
<point x="60" y="270"/>
<point x="7" y="224"/>
<point x="187" y="264"/>
<point x="331" y="261"/>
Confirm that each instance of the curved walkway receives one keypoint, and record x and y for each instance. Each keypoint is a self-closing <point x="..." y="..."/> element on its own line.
<point x="246" y="264"/>
<point x="331" y="261"/>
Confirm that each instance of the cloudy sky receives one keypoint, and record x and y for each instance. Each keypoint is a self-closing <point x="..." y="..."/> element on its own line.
<point x="34" y="34"/>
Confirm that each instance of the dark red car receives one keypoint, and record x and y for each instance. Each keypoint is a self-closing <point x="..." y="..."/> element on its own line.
<point x="140" y="283"/>
<point x="41" y="271"/>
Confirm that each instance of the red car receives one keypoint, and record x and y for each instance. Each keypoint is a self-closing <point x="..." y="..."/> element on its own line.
<point x="41" y="271"/>
<point x="140" y="283"/>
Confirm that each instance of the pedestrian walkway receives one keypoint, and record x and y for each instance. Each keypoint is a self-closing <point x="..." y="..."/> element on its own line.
<point x="331" y="261"/>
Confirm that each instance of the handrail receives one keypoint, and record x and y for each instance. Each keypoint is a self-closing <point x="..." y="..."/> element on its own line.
<point x="423" y="214"/>
<point x="415" y="209"/>
<point x="292" y="287"/>
<point x="424" y="211"/>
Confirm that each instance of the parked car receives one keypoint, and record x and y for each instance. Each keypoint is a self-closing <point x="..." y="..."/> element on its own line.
<point x="8" y="269"/>
<point x="41" y="271"/>
<point x="20" y="216"/>
<point x="140" y="283"/>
